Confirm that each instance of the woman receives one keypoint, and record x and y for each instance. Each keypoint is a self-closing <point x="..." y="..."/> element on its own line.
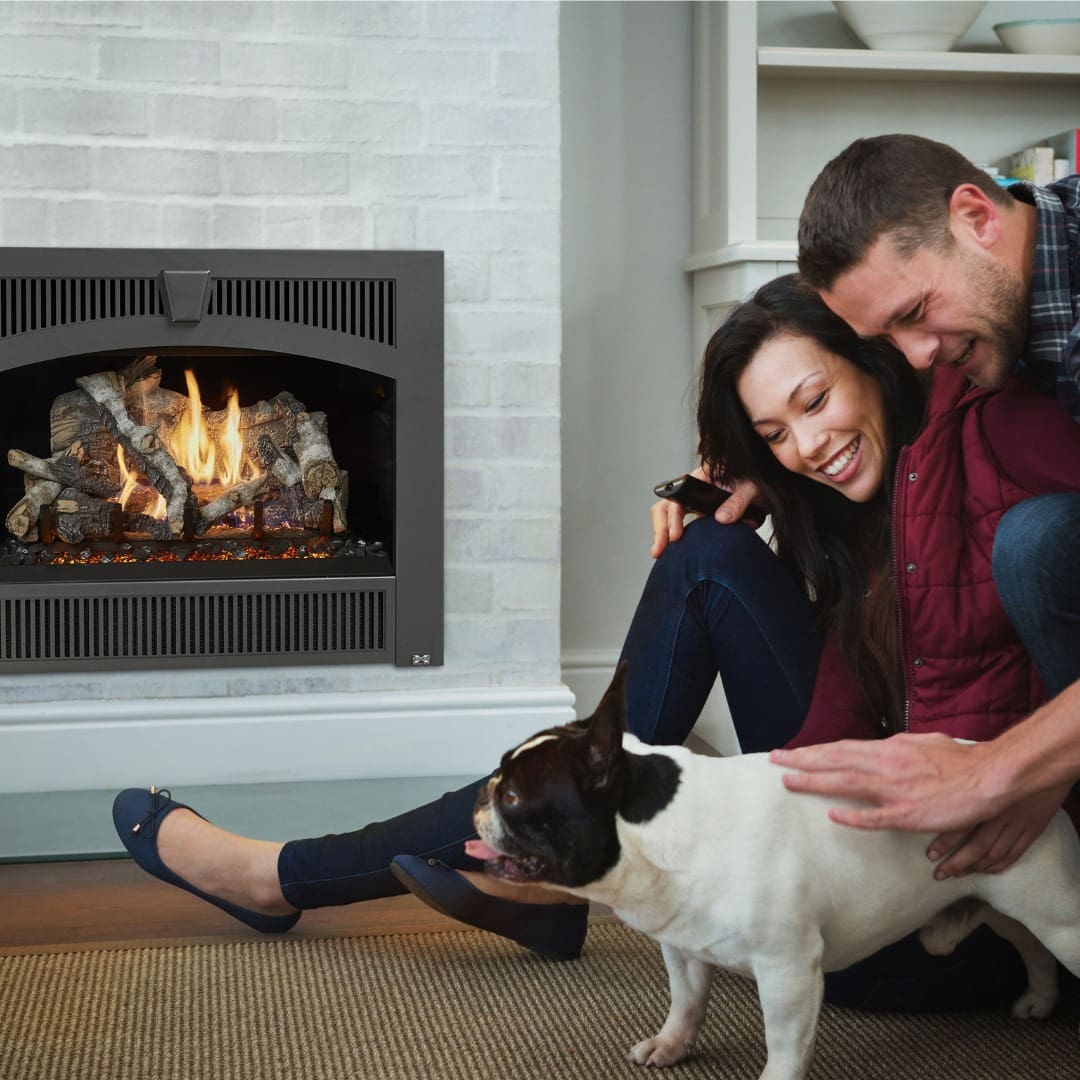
<point x="793" y="400"/>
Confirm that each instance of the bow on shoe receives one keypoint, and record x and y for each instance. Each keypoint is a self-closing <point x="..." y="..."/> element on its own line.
<point x="158" y="799"/>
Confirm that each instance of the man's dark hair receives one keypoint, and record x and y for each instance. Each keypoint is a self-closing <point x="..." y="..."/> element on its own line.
<point x="900" y="184"/>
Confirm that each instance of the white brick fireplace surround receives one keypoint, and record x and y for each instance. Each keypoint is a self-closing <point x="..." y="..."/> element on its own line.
<point x="319" y="125"/>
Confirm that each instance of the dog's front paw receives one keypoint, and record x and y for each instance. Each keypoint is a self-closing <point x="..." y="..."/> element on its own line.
<point x="659" y="1052"/>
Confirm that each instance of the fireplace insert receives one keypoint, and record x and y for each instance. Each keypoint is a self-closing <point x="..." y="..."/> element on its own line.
<point x="220" y="457"/>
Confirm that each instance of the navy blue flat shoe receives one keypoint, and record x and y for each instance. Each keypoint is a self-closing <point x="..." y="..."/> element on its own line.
<point x="137" y="813"/>
<point x="555" y="931"/>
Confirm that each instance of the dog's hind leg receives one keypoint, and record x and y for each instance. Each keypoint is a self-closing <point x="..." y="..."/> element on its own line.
<point x="1038" y="1000"/>
<point x="948" y="928"/>
<point x="690" y="979"/>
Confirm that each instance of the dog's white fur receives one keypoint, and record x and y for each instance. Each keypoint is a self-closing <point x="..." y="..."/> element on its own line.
<point x="738" y="872"/>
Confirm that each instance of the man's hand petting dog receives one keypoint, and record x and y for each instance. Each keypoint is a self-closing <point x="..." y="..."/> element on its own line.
<point x="926" y="783"/>
<point x="718" y="861"/>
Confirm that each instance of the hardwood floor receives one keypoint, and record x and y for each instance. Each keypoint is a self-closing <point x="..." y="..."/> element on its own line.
<point x="111" y="903"/>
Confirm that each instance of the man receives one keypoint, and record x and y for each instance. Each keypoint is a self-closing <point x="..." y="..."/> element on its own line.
<point x="905" y="238"/>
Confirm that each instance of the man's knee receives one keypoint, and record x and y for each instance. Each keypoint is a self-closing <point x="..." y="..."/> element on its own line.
<point x="1037" y="542"/>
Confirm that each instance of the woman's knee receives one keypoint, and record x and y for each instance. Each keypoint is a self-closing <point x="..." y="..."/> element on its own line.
<point x="710" y="551"/>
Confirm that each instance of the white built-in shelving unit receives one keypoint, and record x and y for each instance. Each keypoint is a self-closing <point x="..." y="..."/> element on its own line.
<point x="775" y="100"/>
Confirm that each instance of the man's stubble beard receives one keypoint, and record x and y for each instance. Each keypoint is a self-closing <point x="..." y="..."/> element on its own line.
<point x="1005" y="299"/>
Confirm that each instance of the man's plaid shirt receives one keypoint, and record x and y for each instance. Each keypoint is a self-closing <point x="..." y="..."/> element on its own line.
<point x="1052" y="358"/>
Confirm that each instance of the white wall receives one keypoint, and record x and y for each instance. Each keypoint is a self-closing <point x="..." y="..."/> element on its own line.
<point x="627" y="352"/>
<point x="294" y="124"/>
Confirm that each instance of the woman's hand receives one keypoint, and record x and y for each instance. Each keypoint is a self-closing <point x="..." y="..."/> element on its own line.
<point x="668" y="516"/>
<point x="995" y="845"/>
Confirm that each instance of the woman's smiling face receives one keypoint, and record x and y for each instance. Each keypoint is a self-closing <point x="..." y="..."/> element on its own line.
<point x="821" y="416"/>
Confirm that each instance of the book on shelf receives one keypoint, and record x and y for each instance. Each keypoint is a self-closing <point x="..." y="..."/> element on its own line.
<point x="1066" y="147"/>
<point x="1049" y="160"/>
<point x="1034" y="163"/>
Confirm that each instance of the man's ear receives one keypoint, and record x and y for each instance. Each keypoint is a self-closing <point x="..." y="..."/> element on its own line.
<point x="974" y="216"/>
<point x="606" y="726"/>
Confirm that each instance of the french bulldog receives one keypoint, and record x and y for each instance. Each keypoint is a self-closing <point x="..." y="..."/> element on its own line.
<point x="724" y="867"/>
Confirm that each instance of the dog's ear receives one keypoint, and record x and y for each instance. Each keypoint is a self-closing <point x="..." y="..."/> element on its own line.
<point x="606" y="726"/>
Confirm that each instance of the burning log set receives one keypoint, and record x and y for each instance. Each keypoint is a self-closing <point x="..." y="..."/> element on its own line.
<point x="132" y="459"/>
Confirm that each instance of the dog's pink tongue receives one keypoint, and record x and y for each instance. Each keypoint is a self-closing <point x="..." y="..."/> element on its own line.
<point x="479" y="850"/>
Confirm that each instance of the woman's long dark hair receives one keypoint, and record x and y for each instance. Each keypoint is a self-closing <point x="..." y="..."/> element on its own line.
<point x="837" y="547"/>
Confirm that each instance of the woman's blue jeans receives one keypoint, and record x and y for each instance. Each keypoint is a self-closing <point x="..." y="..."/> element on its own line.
<point x="717" y="602"/>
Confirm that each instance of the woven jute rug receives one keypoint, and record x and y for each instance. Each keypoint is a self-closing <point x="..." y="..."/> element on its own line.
<point x="455" y="1005"/>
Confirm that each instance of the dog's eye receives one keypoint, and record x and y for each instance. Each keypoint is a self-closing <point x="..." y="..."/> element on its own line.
<point x="510" y="797"/>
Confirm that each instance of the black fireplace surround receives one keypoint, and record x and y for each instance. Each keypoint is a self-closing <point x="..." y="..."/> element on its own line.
<point x="356" y="335"/>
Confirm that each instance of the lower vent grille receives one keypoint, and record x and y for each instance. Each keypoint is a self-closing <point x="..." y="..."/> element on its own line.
<point x="196" y="627"/>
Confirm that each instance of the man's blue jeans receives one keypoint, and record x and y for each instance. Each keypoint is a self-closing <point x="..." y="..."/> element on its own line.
<point x="1036" y="565"/>
<point x="716" y="602"/>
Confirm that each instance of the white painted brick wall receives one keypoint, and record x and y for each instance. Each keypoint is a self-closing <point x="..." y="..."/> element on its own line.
<point x="346" y="124"/>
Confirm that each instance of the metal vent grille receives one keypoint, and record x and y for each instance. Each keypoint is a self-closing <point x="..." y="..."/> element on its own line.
<point x="28" y="304"/>
<point x="361" y="308"/>
<point x="195" y="626"/>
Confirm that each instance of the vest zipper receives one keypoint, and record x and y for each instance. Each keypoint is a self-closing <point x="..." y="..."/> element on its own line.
<point x="895" y="529"/>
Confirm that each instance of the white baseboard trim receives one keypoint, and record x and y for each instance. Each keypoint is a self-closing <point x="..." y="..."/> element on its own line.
<point x="587" y="672"/>
<point x="590" y="660"/>
<point x="72" y="746"/>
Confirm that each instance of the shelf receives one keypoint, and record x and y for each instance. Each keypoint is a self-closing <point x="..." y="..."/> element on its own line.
<point x="939" y="66"/>
<point x="764" y="251"/>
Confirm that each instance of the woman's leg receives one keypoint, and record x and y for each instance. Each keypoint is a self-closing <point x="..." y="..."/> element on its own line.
<point x="717" y="601"/>
<point x="424" y="848"/>
<point x="273" y="878"/>
<point x="347" y="867"/>
<point x="720" y="602"/>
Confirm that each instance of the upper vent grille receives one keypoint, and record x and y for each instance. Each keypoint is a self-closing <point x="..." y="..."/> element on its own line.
<point x="28" y="304"/>
<point x="365" y="308"/>
<point x="361" y="308"/>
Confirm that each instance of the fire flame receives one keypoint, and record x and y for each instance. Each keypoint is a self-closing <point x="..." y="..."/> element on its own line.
<point x="236" y="466"/>
<point x="208" y="462"/>
<point x="130" y="481"/>
<point x="191" y="444"/>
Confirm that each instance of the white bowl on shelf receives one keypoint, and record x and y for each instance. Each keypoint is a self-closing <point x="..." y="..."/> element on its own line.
<point x="918" y="26"/>
<point x="1057" y="37"/>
